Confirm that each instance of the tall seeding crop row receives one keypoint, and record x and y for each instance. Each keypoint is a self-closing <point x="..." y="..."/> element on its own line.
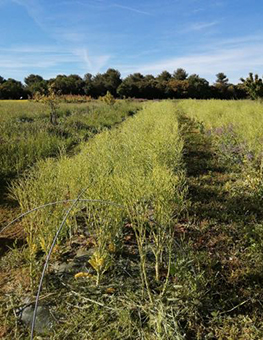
<point x="170" y="216"/>
<point x="137" y="166"/>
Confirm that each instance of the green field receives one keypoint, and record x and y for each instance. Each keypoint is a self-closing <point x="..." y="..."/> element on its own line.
<point x="27" y="135"/>
<point x="165" y="241"/>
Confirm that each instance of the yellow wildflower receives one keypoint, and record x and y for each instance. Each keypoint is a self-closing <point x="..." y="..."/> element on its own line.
<point x="82" y="274"/>
<point x="97" y="261"/>
<point x="110" y="290"/>
<point x="112" y="248"/>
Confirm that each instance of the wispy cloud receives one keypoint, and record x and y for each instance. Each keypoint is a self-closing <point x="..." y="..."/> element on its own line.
<point x="238" y="41"/>
<point x="91" y="35"/>
<point x="197" y="10"/>
<point x="131" y="9"/>
<point x="101" y="4"/>
<point x="199" y="26"/>
<point x="235" y="61"/>
<point x="72" y="39"/>
<point x="93" y="64"/>
<point x="35" y="49"/>
<point x="17" y="62"/>
<point x="34" y="57"/>
<point x="34" y="10"/>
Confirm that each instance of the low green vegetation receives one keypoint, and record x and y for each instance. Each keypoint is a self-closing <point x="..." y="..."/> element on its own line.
<point x="240" y="121"/>
<point x="27" y="135"/>
<point x="166" y="239"/>
<point x="139" y="167"/>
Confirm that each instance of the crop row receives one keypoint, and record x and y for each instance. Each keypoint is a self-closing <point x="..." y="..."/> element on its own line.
<point x="26" y="134"/>
<point x="137" y="166"/>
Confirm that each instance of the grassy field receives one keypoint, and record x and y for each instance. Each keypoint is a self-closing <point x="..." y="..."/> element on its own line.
<point x="26" y="134"/>
<point x="235" y="123"/>
<point x="171" y="249"/>
<point x="137" y="166"/>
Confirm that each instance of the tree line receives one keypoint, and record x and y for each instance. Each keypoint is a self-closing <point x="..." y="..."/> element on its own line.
<point x="166" y="85"/>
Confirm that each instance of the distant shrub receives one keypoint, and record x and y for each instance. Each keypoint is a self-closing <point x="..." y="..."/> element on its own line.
<point x="108" y="99"/>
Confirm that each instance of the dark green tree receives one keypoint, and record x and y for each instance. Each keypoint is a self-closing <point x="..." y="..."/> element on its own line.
<point x="148" y="87"/>
<point x="72" y="84"/>
<point x="103" y="83"/>
<point x="12" y="89"/>
<point x="2" y="80"/>
<point x="179" y="88"/>
<point x="221" y="79"/>
<point x="112" y="80"/>
<point x="32" y="79"/>
<point x="88" y="87"/>
<point x="99" y="88"/>
<point x="162" y="85"/>
<point x="253" y="85"/>
<point x="198" y="87"/>
<point x="164" y="76"/>
<point x="36" y="84"/>
<point x="240" y="91"/>
<point x="75" y="84"/>
<point x="131" y="86"/>
<point x="59" y="84"/>
<point x="180" y="74"/>
<point x="221" y="86"/>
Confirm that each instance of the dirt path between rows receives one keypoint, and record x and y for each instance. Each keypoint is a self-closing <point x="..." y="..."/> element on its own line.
<point x="218" y="229"/>
<point x="9" y="210"/>
<point x="219" y="272"/>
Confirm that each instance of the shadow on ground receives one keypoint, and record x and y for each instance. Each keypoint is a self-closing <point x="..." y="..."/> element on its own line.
<point x="218" y="231"/>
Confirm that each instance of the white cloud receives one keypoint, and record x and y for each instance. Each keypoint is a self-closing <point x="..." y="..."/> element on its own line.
<point x="36" y="59"/>
<point x="93" y="64"/>
<point x="199" y="26"/>
<point x="42" y="57"/>
<point x="236" y="61"/>
<point x="131" y="9"/>
<point x="69" y="40"/>
<point x="34" y="10"/>
<point x="82" y="47"/>
<point x="36" y="49"/>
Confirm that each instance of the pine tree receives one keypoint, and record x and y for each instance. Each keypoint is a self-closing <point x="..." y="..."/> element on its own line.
<point x="253" y="85"/>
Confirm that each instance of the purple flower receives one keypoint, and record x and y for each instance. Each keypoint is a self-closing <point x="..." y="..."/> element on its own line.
<point x="250" y="156"/>
<point x="219" y="130"/>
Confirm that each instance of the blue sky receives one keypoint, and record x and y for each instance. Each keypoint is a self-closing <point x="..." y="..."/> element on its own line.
<point x="50" y="37"/>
